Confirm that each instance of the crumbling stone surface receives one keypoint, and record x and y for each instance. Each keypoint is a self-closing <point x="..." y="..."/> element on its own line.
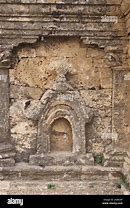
<point x="89" y="67"/>
<point x="61" y="52"/>
<point x="59" y="188"/>
<point x="67" y="159"/>
<point x="82" y="64"/>
<point x="59" y="180"/>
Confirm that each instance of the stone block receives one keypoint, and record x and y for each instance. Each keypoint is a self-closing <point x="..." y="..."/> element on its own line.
<point x="63" y="159"/>
<point x="7" y="162"/>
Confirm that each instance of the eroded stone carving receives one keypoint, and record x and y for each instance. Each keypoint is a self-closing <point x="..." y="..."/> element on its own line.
<point x="62" y="102"/>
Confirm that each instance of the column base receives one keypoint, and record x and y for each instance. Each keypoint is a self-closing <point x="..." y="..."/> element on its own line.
<point x="126" y="168"/>
<point x="6" y="155"/>
<point x="114" y="159"/>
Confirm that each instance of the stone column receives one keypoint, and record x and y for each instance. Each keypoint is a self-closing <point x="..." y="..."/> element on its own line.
<point x="6" y="149"/>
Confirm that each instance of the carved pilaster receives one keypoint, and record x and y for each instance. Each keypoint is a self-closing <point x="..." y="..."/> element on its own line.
<point x="6" y="149"/>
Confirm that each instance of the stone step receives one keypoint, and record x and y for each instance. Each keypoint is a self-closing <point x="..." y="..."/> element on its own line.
<point x="29" y="187"/>
<point x="116" y="159"/>
<point x="62" y="158"/>
<point x="24" y="171"/>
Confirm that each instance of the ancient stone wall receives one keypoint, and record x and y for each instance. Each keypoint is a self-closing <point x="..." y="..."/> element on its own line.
<point x="38" y="67"/>
<point x="87" y="38"/>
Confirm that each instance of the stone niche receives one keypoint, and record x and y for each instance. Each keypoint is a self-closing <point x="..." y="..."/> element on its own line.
<point x="61" y="128"/>
<point x="55" y="88"/>
<point x="61" y="135"/>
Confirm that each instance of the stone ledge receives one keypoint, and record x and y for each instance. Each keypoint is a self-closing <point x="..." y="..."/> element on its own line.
<point x="116" y="159"/>
<point x="62" y="159"/>
<point x="7" y="162"/>
<point x="24" y="171"/>
<point x="99" y="187"/>
<point x="94" y="2"/>
<point x="5" y="147"/>
<point x="6" y="155"/>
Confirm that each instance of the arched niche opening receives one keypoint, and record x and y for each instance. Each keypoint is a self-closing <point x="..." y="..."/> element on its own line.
<point x="61" y="136"/>
<point x="61" y="127"/>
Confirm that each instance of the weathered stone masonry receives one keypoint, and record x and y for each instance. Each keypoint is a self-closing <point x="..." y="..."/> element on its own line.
<point x="84" y="45"/>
